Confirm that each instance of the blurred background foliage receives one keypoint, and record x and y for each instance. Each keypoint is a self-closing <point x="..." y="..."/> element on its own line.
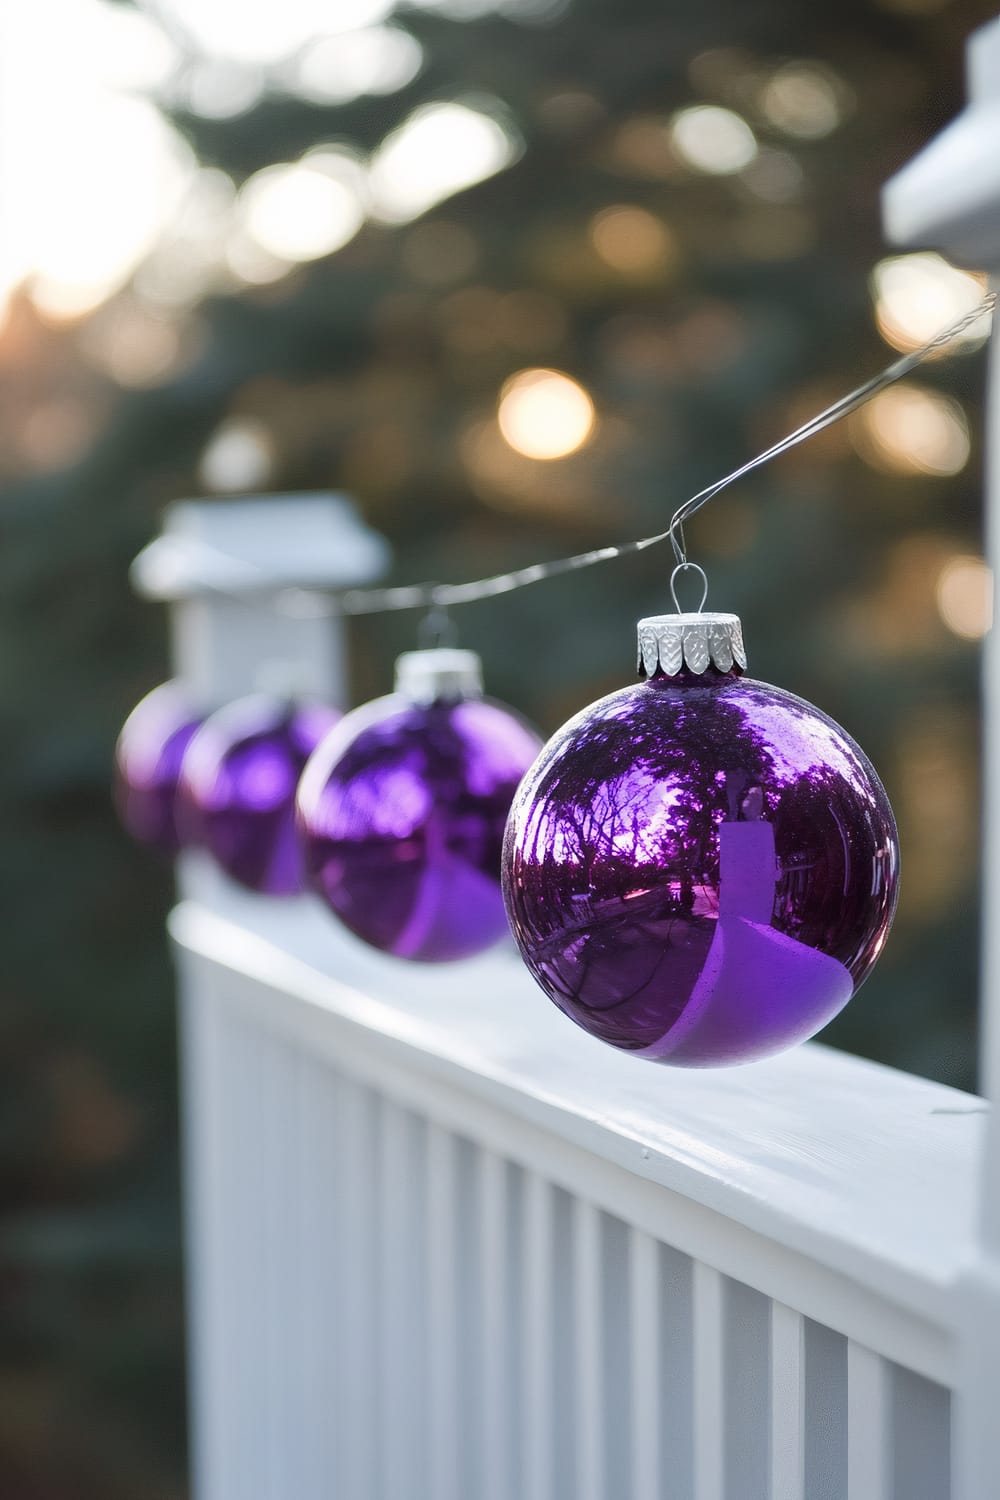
<point x="518" y="275"/>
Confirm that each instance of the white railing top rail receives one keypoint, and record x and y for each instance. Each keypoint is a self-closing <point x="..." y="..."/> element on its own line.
<point x="835" y="1184"/>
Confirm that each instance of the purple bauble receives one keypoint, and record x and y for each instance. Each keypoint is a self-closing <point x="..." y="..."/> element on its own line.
<point x="237" y="793"/>
<point x="402" y="812"/>
<point x="148" y="758"/>
<point x="701" y="869"/>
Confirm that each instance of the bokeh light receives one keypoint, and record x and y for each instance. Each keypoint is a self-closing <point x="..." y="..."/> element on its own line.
<point x="803" y="99"/>
<point x="239" y="457"/>
<point x="377" y="60"/>
<point x="641" y="148"/>
<point x="545" y="414"/>
<point x="87" y="187"/>
<point x="774" y="176"/>
<point x="438" y="151"/>
<point x="188" y="259"/>
<point x="136" y="344"/>
<point x="916" y="296"/>
<point x="965" y="596"/>
<point x="298" y="211"/>
<point x="713" y="140"/>
<point x="269" y="33"/>
<point x="632" y="240"/>
<point x="909" y="429"/>
<point x="217" y="89"/>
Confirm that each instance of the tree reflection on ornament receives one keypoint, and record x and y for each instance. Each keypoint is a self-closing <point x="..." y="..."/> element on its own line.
<point x="701" y="869"/>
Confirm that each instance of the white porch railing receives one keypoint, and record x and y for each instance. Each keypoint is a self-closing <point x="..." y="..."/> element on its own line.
<point x="444" y="1246"/>
<point x="447" y="1246"/>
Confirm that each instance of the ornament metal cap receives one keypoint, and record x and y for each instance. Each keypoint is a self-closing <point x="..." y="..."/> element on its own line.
<point x="441" y="673"/>
<point x="669" y="643"/>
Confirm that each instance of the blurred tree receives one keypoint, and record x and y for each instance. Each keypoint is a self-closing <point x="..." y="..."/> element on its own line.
<point x="687" y="232"/>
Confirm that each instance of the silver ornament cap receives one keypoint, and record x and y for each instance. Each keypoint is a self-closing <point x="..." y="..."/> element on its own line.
<point x="440" y="673"/>
<point x="670" y="643"/>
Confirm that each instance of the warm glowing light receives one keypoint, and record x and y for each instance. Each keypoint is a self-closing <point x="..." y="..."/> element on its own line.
<point x="632" y="240"/>
<point x="965" y="597"/>
<point x="714" y="140"/>
<point x="918" y="295"/>
<point x="908" y="429"/>
<point x="268" y="33"/>
<point x="438" y="151"/>
<point x="136" y="346"/>
<point x="249" y="263"/>
<point x="300" y="211"/>
<point x="544" y="414"/>
<point x="91" y="183"/>
<point x="187" y="260"/>
<point x="239" y="456"/>
<point x="87" y="232"/>
<point x="642" y="148"/>
<point x="803" y="99"/>
<point x="378" y="60"/>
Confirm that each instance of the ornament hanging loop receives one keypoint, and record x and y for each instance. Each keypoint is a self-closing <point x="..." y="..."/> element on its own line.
<point x="683" y="567"/>
<point x="437" y="628"/>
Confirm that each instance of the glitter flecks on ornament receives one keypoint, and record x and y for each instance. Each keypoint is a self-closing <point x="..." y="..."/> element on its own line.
<point x="148" y="760"/>
<point x="238" y="782"/>
<point x="701" y="869"/>
<point x="401" y="811"/>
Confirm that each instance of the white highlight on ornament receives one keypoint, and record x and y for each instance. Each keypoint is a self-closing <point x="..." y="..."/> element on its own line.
<point x="965" y="596"/>
<point x="915" y="294"/>
<point x="545" y="414"/>
<point x="909" y="429"/>
<point x="239" y="456"/>
<point x="300" y="211"/>
<point x="713" y="140"/>
<point x="440" y="150"/>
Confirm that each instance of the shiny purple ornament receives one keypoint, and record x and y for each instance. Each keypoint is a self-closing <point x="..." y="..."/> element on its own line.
<point x="148" y="759"/>
<point x="237" y="791"/>
<point x="402" y="811"/>
<point x="701" y="869"/>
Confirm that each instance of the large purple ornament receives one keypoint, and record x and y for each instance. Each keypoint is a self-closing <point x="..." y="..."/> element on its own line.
<point x="402" y="811"/>
<point x="148" y="759"/>
<point x="700" y="869"/>
<point x="238" y="788"/>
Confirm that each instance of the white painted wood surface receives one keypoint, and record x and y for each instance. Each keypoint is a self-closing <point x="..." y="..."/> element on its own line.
<point x="553" y="1272"/>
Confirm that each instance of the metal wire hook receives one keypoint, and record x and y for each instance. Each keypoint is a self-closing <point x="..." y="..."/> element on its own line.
<point x="437" y="628"/>
<point x="684" y="567"/>
<point x="676" y="536"/>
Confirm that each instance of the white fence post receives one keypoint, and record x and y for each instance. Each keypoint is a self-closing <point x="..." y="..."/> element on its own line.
<point x="949" y="197"/>
<point x="224" y="566"/>
<point x="245" y="579"/>
<point x="232" y="571"/>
